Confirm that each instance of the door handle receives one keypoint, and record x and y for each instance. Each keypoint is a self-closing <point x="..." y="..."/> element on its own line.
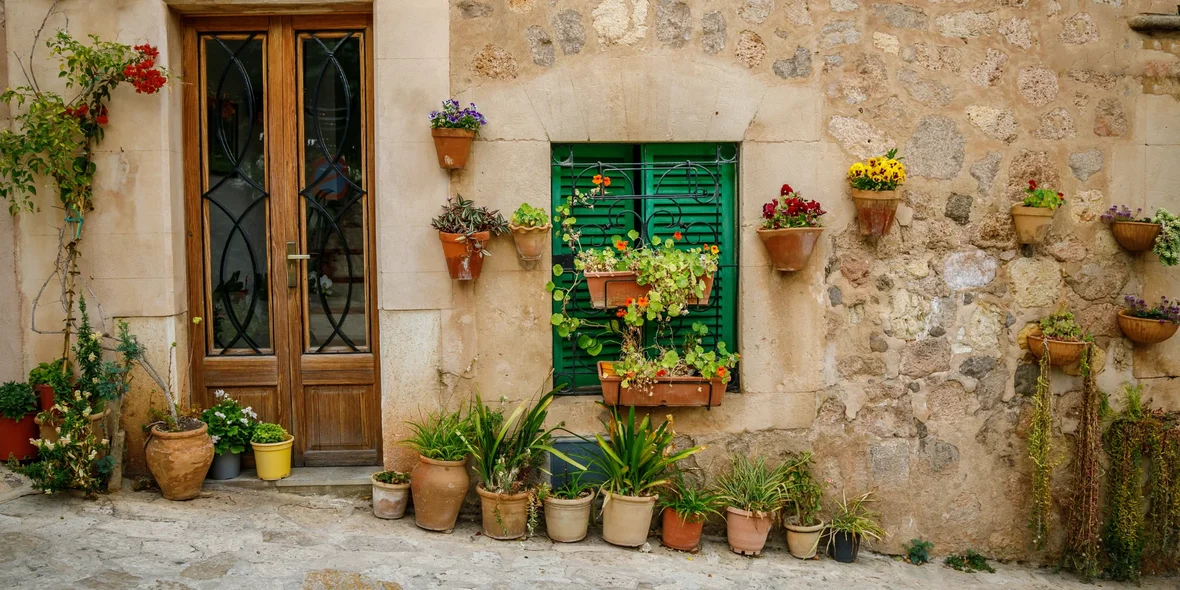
<point x="293" y="264"/>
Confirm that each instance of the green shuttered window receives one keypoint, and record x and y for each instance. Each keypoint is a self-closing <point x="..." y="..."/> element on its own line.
<point x="701" y="181"/>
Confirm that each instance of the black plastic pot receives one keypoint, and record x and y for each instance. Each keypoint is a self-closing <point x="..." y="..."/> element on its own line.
<point x="845" y="546"/>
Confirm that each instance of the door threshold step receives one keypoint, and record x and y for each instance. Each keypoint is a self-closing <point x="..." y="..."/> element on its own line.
<point x="351" y="481"/>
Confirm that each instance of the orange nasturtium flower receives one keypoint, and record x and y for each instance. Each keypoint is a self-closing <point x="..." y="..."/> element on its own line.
<point x="677" y="235"/>
<point x="620" y="245"/>
<point x="600" y="179"/>
<point x="642" y="302"/>
<point x="720" y="371"/>
<point x="630" y="300"/>
<point x="622" y="312"/>
<point x="605" y="181"/>
<point x="713" y="249"/>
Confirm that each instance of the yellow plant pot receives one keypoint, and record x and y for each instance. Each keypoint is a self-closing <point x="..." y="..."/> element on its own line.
<point x="273" y="460"/>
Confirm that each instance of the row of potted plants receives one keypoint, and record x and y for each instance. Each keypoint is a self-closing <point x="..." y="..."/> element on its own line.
<point x="1063" y="339"/>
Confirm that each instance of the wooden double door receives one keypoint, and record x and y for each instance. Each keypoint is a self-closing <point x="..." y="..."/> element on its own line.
<point x="279" y="222"/>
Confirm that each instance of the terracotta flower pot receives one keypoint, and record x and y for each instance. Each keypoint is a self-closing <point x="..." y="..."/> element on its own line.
<point x="626" y="520"/>
<point x="667" y="391"/>
<point x="97" y="428"/>
<point x="530" y="241"/>
<point x="679" y="533"/>
<point x="15" y="436"/>
<point x="464" y="255"/>
<point x="803" y="541"/>
<point x="505" y="516"/>
<point x="1061" y="352"/>
<point x="179" y="461"/>
<point x="845" y="546"/>
<point x="746" y="531"/>
<point x="790" y="248"/>
<point x="875" y="211"/>
<point x="1032" y="223"/>
<point x="566" y="521"/>
<point x="390" y="499"/>
<point x="612" y="289"/>
<point x="45" y="394"/>
<point x="1136" y="236"/>
<point x="438" y="489"/>
<point x="452" y="146"/>
<point x="1145" y="330"/>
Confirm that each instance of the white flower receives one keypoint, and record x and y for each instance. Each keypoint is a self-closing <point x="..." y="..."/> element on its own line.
<point x="95" y="380"/>
<point x="77" y="395"/>
<point x="220" y="394"/>
<point x="245" y="421"/>
<point x="105" y="441"/>
<point x="65" y="439"/>
<point x="250" y="412"/>
<point x="219" y="415"/>
<point x="215" y="438"/>
<point x="86" y="411"/>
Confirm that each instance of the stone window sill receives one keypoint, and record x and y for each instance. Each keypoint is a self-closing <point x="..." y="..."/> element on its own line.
<point x="1155" y="23"/>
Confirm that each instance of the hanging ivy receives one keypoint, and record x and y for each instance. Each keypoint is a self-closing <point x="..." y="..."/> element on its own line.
<point x="1082" y="543"/>
<point x="1162" y="540"/>
<point x="1040" y="445"/>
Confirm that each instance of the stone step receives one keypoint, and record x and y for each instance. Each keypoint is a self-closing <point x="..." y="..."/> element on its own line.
<point x="351" y="482"/>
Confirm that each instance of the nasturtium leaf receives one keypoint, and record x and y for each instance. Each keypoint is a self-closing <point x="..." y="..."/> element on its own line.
<point x="549" y="287"/>
<point x="557" y="270"/>
<point x="584" y="341"/>
<point x="558" y="295"/>
<point x="634" y="235"/>
<point x="556" y="319"/>
<point x="594" y="348"/>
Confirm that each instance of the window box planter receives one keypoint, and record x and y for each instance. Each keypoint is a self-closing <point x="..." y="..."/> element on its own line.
<point x="1136" y="236"/>
<point x="530" y="241"/>
<point x="790" y="248"/>
<point x="875" y="211"/>
<point x="1145" y="330"/>
<point x="1061" y="352"/>
<point x="464" y="254"/>
<point x="612" y="289"/>
<point x="452" y="146"/>
<point x="1032" y="223"/>
<point x="667" y="391"/>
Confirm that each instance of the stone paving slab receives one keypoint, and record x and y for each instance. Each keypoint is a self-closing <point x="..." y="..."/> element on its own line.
<point x="261" y="539"/>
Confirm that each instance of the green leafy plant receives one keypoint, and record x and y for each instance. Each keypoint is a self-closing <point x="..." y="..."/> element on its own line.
<point x="969" y="562"/>
<point x="1042" y="198"/>
<point x="751" y="484"/>
<point x="636" y="456"/>
<point x="392" y="477"/>
<point x="231" y="427"/>
<point x="17" y="400"/>
<point x="917" y="551"/>
<point x="804" y="493"/>
<point x="462" y="216"/>
<point x="688" y="501"/>
<point x="1060" y="325"/>
<point x="439" y="436"/>
<point x="1167" y="244"/>
<point x="58" y="375"/>
<point x="529" y="216"/>
<point x="266" y="433"/>
<point x="855" y="518"/>
<point x="571" y="488"/>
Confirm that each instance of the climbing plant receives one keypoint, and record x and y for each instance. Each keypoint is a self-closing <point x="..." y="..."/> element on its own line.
<point x="1082" y="542"/>
<point x="1040" y="447"/>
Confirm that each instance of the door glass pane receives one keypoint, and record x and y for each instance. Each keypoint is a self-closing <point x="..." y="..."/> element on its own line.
<point x="235" y="199"/>
<point x="333" y="190"/>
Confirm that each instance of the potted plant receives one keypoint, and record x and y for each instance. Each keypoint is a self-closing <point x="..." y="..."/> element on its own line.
<point x="804" y="528"/>
<point x="453" y="130"/>
<point x="753" y="492"/>
<point x="272" y="451"/>
<point x="567" y="508"/>
<point x="790" y="229"/>
<point x="852" y="523"/>
<point x="658" y="375"/>
<point x="391" y="493"/>
<point x="1136" y="235"/>
<point x="685" y="509"/>
<point x="230" y="427"/>
<point x="530" y="231"/>
<point x="464" y="231"/>
<point x="874" y="185"/>
<point x="439" y="481"/>
<point x="630" y="272"/>
<point x="1034" y="214"/>
<point x="1061" y="336"/>
<point x="18" y="406"/>
<point x="48" y="380"/>
<point x="1167" y="244"/>
<point x="636" y="457"/>
<point x="507" y="453"/>
<point x="1149" y="325"/>
<point x="178" y="451"/>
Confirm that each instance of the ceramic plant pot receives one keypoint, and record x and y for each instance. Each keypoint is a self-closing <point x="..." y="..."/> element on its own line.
<point x="505" y="516"/>
<point x="390" y="499"/>
<point x="613" y="289"/>
<point x="452" y="146"/>
<point x="49" y="432"/>
<point x="179" y="460"/>
<point x="225" y="466"/>
<point x="875" y="211"/>
<point x="45" y="394"/>
<point x="1136" y="236"/>
<point x="1032" y="223"/>
<point x="273" y="460"/>
<point x="790" y="248"/>
<point x="679" y="533"/>
<point x="746" y="531"/>
<point x="566" y="521"/>
<point x="667" y="391"/>
<point x="845" y="546"/>
<point x="464" y="255"/>
<point x="803" y="541"/>
<point x="1145" y="330"/>
<point x="1061" y="352"/>
<point x="15" y="436"/>
<point x="530" y="241"/>
<point x="626" y="520"/>
<point x="438" y="489"/>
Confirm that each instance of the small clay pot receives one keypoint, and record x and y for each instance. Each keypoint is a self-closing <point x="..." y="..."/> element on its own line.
<point x="452" y="146"/>
<point x="845" y="546"/>
<point x="746" y="531"/>
<point x="530" y="241"/>
<point x="1032" y="223"/>
<point x="875" y="211"/>
<point x="566" y="521"/>
<point x="505" y="516"/>
<point x="626" y="520"/>
<point x="438" y="489"/>
<point x="1136" y="236"/>
<point x="179" y="460"/>
<point x="390" y="499"/>
<point x="1145" y="330"/>
<point x="679" y="533"/>
<point x="803" y="541"/>
<point x="1061" y="352"/>
<point x="464" y="254"/>
<point x="45" y="394"/>
<point x="790" y="248"/>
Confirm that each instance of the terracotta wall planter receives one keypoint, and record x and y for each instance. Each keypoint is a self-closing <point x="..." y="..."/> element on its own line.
<point x="464" y="255"/>
<point x="612" y="289"/>
<point x="452" y="146"/>
<point x="1144" y="330"/>
<point x="875" y="211"/>
<point x="504" y="515"/>
<point x="1061" y="352"/>
<point x="438" y="489"/>
<point x="681" y="534"/>
<point x="566" y="521"/>
<point x="1136" y="236"/>
<point x="179" y="461"/>
<point x="531" y="242"/>
<point x="14" y="438"/>
<point x="803" y="541"/>
<point x="746" y="531"/>
<point x="667" y="391"/>
<point x="626" y="520"/>
<point x="1032" y="223"/>
<point x="790" y="248"/>
<point x="390" y="499"/>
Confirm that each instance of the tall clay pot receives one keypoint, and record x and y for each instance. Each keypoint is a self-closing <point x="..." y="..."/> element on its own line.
<point x="1061" y="352"/>
<point x="530" y="241"/>
<point x="1032" y="223"/>
<point x="566" y="521"/>
<point x="179" y="460"/>
<point x="464" y="254"/>
<point x="390" y="499"/>
<point x="875" y="211"/>
<point x="14" y="438"/>
<point x="1145" y="330"/>
<point x="438" y="489"/>
<point x="452" y="146"/>
<point x="505" y="516"/>
<point x="1136" y="236"/>
<point x="746" y="531"/>
<point x="627" y="519"/>
<point x="680" y="533"/>
<point x="802" y="541"/>
<point x="790" y="248"/>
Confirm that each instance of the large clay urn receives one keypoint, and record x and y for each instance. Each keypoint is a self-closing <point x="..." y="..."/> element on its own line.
<point x="180" y="460"/>
<point x="437" y="489"/>
<point x="790" y="248"/>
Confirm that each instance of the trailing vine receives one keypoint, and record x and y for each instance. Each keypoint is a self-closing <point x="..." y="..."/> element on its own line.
<point x="1082" y="542"/>
<point x="1124" y="524"/>
<point x="1163" y="451"/>
<point x="1040" y="445"/>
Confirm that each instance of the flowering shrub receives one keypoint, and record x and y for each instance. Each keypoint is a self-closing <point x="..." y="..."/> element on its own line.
<point x="266" y="433"/>
<point x="791" y="210"/>
<point x="527" y="215"/>
<point x="1042" y="198"/>
<point x="636" y="366"/>
<point x="230" y="425"/>
<point x="453" y="117"/>
<point x="1167" y="244"/>
<point x="884" y="173"/>
<point x="1165" y="311"/>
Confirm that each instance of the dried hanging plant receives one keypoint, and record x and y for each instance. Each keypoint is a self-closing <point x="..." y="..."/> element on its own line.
<point x="1040" y="445"/>
<point x="1082" y="543"/>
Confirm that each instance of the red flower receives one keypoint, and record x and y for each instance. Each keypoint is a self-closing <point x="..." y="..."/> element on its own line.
<point x="620" y="245"/>
<point x="630" y="300"/>
<point x="678" y="236"/>
<point x="82" y="109"/>
<point x="786" y="190"/>
<point x="768" y="210"/>
<point x="101" y="119"/>
<point x="1032" y="185"/>
<point x="720" y="371"/>
<point x="622" y="312"/>
<point x="661" y="373"/>
<point x="642" y="302"/>
<point x="1059" y="195"/>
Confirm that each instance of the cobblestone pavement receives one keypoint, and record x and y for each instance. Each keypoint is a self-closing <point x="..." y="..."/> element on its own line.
<point x="259" y="539"/>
